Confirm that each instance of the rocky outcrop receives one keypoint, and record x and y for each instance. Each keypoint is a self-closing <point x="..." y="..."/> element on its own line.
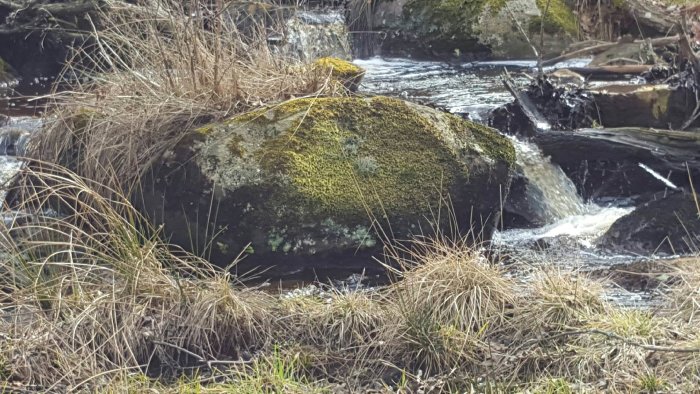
<point x="310" y="181"/>
<point x="668" y="226"/>
<point x="468" y="27"/>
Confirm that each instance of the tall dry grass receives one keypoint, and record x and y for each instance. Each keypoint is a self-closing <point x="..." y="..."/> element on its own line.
<point x="89" y="293"/>
<point x="153" y="72"/>
<point x="91" y="299"/>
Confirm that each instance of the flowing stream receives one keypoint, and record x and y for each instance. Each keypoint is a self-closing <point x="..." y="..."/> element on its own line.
<point x="571" y="226"/>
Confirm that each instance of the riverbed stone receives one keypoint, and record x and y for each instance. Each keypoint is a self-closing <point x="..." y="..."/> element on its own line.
<point x="659" y="106"/>
<point x="465" y="27"/>
<point x="665" y="226"/>
<point x="310" y="182"/>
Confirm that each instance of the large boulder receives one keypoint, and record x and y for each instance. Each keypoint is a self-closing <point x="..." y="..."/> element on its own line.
<point x="668" y="226"/>
<point x="447" y="27"/>
<point x="309" y="182"/>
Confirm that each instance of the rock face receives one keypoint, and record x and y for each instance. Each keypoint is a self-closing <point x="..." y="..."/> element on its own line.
<point x="665" y="226"/>
<point x="659" y="106"/>
<point x="299" y="182"/>
<point x="456" y="27"/>
<point x="311" y="35"/>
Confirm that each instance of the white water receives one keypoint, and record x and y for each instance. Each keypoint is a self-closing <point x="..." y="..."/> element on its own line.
<point x="555" y="197"/>
<point x="476" y="88"/>
<point x="549" y="186"/>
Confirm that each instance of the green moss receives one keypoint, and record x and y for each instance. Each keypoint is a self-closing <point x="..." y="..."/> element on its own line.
<point x="339" y="68"/>
<point x="493" y="144"/>
<point x="559" y="18"/>
<point x="305" y="176"/>
<point x="341" y="156"/>
<point x="348" y="74"/>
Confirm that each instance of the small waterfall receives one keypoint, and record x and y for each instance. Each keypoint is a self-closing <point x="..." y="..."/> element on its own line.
<point x="550" y="193"/>
<point x="550" y="197"/>
<point x="13" y="141"/>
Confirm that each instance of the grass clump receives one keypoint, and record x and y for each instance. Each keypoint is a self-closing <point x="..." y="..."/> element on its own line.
<point x="153" y="75"/>
<point x="447" y="300"/>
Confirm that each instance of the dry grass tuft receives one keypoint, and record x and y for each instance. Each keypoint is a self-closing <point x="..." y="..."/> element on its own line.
<point x="447" y="298"/>
<point x="89" y="293"/>
<point x="92" y="300"/>
<point x="558" y="301"/>
<point x="154" y="74"/>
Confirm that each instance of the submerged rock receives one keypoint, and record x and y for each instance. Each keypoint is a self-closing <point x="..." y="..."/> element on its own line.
<point x="449" y="27"/>
<point x="302" y="183"/>
<point x="668" y="226"/>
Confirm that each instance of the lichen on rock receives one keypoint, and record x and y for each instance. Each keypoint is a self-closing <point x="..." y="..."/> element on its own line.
<point x="314" y="177"/>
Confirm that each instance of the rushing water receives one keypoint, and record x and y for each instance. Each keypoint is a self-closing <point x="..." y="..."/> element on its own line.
<point x="572" y="226"/>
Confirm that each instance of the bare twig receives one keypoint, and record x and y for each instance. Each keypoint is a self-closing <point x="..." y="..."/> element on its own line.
<point x="520" y="28"/>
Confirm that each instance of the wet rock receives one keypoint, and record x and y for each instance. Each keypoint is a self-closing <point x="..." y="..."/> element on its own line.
<point x="562" y="107"/>
<point x="606" y="162"/>
<point x="465" y="27"/>
<point x="659" y="106"/>
<point x="310" y="35"/>
<point x="301" y="183"/>
<point x="668" y="226"/>
<point x="13" y="141"/>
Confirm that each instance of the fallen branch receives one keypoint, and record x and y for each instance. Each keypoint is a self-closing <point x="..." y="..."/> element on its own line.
<point x="539" y="122"/>
<point x="598" y="48"/>
<point x="209" y="363"/>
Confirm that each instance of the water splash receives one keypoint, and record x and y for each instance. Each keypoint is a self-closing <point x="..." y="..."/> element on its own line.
<point x="550" y="192"/>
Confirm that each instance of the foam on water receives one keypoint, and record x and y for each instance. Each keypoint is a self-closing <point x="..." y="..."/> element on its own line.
<point x="586" y="227"/>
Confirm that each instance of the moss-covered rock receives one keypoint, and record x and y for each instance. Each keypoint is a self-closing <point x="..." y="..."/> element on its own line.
<point x="456" y="27"/>
<point x="304" y="181"/>
<point x="341" y="70"/>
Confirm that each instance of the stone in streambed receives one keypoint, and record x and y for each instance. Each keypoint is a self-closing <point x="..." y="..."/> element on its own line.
<point x="665" y="226"/>
<point x="301" y="182"/>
